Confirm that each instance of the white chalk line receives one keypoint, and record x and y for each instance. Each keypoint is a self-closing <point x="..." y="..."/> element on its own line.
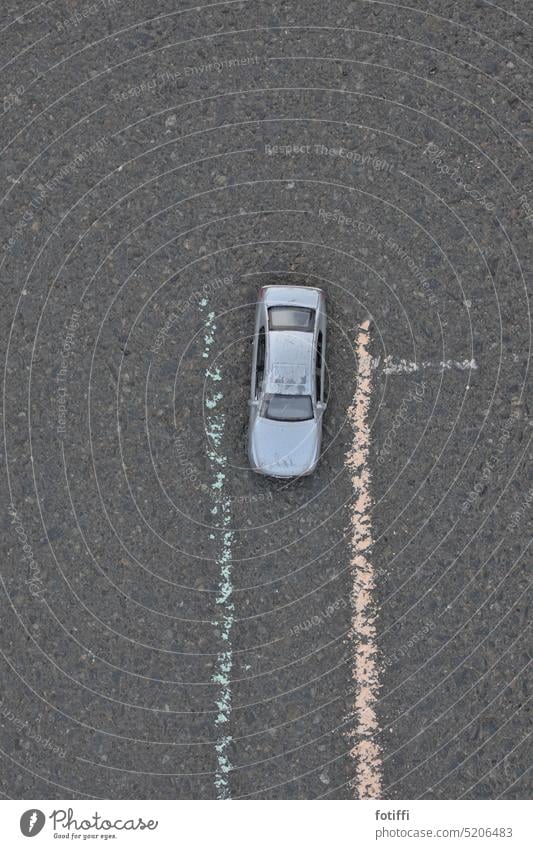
<point x="395" y="365"/>
<point x="221" y="511"/>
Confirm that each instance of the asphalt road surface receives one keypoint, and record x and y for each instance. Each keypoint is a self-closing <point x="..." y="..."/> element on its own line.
<point x="173" y="625"/>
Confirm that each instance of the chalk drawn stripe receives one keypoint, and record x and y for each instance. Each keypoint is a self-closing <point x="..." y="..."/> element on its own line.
<point x="392" y="365"/>
<point x="221" y="510"/>
<point x="365" y="750"/>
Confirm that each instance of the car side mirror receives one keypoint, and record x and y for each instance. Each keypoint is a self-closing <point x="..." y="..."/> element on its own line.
<point x="321" y="406"/>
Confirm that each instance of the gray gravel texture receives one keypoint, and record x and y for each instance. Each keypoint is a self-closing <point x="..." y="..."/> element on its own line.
<point x="143" y="167"/>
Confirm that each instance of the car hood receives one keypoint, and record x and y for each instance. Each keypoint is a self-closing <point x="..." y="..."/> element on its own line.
<point x="284" y="449"/>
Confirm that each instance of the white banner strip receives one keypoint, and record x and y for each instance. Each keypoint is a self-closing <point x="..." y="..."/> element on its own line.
<point x="339" y="824"/>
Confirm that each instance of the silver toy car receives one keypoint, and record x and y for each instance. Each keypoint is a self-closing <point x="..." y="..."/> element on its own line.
<point x="288" y="381"/>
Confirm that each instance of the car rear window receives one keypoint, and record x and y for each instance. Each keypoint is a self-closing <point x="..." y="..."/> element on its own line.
<point x="291" y="318"/>
<point x="288" y="408"/>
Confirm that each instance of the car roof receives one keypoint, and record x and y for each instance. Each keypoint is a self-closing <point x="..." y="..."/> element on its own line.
<point x="301" y="296"/>
<point x="289" y="366"/>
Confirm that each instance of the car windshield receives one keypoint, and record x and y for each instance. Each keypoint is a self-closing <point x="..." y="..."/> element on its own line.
<point x="291" y="318"/>
<point x="288" y="408"/>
